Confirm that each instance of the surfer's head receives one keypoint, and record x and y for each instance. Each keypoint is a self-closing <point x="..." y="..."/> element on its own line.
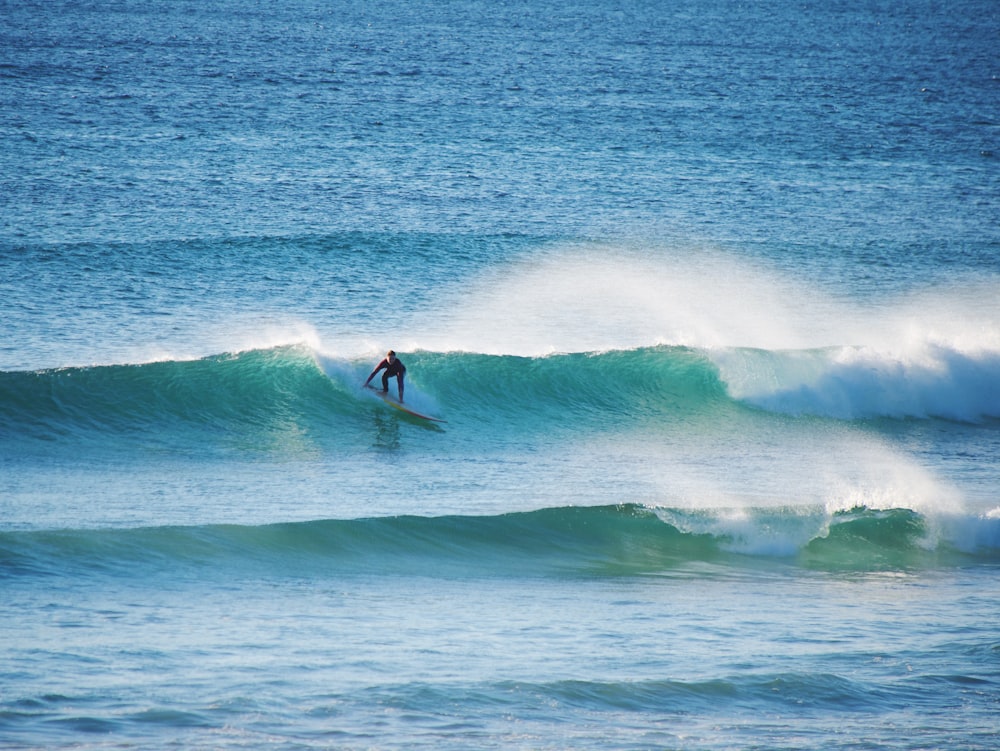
<point x="390" y="355"/>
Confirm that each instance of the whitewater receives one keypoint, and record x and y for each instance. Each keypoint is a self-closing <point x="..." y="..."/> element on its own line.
<point x="708" y="295"/>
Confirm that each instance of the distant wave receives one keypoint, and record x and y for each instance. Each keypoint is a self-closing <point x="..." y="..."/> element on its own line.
<point x="764" y="692"/>
<point x="602" y="541"/>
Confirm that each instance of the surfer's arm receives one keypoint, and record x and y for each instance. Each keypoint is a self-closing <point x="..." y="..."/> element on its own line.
<point x="378" y="367"/>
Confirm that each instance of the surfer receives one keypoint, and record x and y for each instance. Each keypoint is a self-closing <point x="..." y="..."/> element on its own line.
<point x="393" y="366"/>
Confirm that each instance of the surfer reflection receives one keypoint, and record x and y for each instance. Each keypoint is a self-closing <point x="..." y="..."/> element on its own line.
<point x="393" y="366"/>
<point x="386" y="432"/>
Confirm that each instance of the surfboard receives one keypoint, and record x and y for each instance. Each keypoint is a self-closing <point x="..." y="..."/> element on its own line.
<point x="393" y="402"/>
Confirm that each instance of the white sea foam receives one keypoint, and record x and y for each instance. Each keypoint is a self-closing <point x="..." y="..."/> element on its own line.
<point x="928" y="380"/>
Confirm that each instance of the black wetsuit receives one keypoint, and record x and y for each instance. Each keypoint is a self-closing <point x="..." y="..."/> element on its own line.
<point x="395" y="368"/>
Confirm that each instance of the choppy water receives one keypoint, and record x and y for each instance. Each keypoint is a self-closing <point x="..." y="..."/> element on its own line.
<point x="708" y="295"/>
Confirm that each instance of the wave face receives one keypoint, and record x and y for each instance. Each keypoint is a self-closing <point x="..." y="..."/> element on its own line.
<point x="258" y="393"/>
<point x="621" y="540"/>
<point x="261" y="391"/>
<point x="196" y="399"/>
<point x="615" y="385"/>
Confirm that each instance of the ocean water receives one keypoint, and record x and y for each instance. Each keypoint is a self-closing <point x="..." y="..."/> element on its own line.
<point x="707" y="294"/>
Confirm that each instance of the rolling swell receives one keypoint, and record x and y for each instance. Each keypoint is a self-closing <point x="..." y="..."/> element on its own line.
<point x="568" y="541"/>
<point x="753" y="692"/>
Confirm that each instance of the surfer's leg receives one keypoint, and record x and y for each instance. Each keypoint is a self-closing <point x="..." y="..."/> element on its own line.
<point x="385" y="381"/>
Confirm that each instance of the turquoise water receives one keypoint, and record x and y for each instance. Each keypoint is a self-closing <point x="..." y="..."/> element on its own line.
<point x="706" y="293"/>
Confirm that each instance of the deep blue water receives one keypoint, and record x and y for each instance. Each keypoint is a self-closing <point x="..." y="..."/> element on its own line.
<point x="707" y="293"/>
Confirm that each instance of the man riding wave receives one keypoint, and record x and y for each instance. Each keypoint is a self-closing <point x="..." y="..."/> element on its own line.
<point x="393" y="366"/>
